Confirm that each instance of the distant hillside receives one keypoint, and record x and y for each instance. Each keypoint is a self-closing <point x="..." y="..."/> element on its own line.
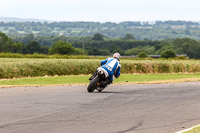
<point x="140" y="30"/>
<point x="12" y="19"/>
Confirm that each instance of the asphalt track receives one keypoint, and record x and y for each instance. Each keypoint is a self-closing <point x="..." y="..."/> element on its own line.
<point x="153" y="108"/>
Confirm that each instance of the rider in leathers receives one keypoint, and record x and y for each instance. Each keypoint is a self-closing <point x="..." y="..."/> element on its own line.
<point x="112" y="66"/>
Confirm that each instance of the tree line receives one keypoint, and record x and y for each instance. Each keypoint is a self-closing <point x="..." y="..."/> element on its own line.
<point x="98" y="44"/>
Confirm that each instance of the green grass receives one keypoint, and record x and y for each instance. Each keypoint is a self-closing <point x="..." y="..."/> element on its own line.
<point x="32" y="67"/>
<point x="154" y="77"/>
<point x="46" y="80"/>
<point x="83" y="79"/>
<point x="195" y="130"/>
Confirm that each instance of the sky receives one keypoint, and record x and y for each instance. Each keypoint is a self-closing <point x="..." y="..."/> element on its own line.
<point x="102" y="10"/>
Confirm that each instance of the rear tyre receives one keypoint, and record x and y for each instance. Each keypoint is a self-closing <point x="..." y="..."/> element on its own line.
<point x="99" y="90"/>
<point x="92" y="85"/>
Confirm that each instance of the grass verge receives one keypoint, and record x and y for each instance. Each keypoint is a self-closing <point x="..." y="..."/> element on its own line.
<point x="83" y="79"/>
<point x="195" y="129"/>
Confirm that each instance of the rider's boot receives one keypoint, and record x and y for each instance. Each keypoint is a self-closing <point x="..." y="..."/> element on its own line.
<point x="104" y="85"/>
<point x="107" y="82"/>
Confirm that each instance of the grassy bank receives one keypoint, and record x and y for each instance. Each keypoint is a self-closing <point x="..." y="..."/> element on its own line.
<point x="28" y="67"/>
<point x="83" y="79"/>
<point x="55" y="56"/>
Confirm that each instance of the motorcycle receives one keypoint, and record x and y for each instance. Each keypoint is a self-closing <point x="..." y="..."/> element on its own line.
<point x="98" y="81"/>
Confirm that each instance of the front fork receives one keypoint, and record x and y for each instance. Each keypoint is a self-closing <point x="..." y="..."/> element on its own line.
<point x="94" y="75"/>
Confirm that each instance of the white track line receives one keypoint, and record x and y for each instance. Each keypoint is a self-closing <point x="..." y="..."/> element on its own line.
<point x="188" y="129"/>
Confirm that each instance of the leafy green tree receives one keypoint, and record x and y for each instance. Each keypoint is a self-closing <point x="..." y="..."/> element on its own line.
<point x="79" y="51"/>
<point x="187" y="46"/>
<point x="18" y="47"/>
<point x="6" y="44"/>
<point x="134" y="51"/>
<point x="129" y="37"/>
<point x="33" y="47"/>
<point x="168" y="54"/>
<point x="98" y="37"/>
<point x="142" y="55"/>
<point x="164" y="46"/>
<point x="62" y="48"/>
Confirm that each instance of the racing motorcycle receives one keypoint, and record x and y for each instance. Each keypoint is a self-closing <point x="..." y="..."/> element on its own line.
<point x="98" y="81"/>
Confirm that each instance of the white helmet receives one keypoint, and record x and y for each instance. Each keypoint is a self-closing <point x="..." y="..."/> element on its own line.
<point x="117" y="56"/>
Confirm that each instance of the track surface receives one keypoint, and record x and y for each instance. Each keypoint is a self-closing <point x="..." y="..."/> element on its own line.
<point x="163" y="108"/>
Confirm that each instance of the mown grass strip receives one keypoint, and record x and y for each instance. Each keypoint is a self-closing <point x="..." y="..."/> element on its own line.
<point x="83" y="79"/>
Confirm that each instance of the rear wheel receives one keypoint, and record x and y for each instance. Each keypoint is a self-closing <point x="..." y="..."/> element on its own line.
<point x="93" y="83"/>
<point x="99" y="90"/>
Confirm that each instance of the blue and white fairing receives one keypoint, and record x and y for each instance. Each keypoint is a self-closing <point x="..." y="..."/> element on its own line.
<point x="112" y="67"/>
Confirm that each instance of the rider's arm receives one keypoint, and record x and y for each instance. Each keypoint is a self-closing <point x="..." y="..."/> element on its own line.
<point x="103" y="62"/>
<point x="117" y="74"/>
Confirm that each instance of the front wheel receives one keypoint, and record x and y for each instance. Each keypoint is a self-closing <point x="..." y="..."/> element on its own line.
<point x="93" y="83"/>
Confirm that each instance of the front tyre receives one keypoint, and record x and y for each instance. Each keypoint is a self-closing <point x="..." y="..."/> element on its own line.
<point x="92" y="85"/>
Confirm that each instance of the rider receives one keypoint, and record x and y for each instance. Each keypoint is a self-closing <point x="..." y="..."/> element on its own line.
<point x="112" y="66"/>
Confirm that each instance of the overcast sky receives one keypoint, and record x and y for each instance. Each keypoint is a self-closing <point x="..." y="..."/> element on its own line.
<point x="102" y="10"/>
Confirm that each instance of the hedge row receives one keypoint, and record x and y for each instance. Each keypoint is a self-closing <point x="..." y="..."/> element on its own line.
<point x="55" y="56"/>
<point x="15" y="68"/>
